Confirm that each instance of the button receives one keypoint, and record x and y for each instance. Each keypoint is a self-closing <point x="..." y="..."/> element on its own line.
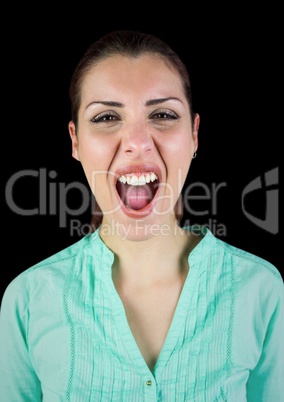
<point x="149" y="383"/>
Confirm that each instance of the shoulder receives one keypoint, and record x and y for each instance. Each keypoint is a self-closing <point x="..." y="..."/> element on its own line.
<point x="255" y="279"/>
<point x="246" y="270"/>
<point x="47" y="275"/>
<point x="245" y="261"/>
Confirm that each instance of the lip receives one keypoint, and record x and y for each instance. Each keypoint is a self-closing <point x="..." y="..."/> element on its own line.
<point x="138" y="168"/>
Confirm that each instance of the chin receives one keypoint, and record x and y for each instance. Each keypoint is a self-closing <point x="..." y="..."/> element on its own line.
<point x="141" y="228"/>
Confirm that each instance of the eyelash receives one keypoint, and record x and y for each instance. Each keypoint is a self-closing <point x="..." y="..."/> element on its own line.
<point x="107" y="117"/>
<point x="166" y="115"/>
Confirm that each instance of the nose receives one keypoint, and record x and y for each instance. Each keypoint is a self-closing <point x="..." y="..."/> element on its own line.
<point x="137" y="140"/>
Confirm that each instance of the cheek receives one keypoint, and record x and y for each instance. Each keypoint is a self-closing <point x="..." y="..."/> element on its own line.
<point x="96" y="155"/>
<point x="177" y="155"/>
<point x="178" y="151"/>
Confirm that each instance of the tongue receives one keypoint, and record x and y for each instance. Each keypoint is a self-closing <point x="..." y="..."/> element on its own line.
<point x="137" y="197"/>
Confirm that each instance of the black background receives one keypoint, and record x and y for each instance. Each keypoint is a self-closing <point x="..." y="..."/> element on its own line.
<point x="234" y="59"/>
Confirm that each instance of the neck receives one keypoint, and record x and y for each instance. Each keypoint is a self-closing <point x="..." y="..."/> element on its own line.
<point x="161" y="255"/>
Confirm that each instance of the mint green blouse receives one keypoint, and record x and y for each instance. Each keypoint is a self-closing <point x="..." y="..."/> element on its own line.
<point x="64" y="335"/>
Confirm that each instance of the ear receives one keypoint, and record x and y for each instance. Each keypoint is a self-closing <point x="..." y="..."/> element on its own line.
<point x="196" y="123"/>
<point x="74" y="139"/>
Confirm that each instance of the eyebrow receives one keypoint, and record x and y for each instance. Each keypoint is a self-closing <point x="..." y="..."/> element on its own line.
<point x="153" y="102"/>
<point x="150" y="102"/>
<point x="106" y="103"/>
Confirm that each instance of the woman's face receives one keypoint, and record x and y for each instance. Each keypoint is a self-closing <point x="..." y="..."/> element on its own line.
<point x="135" y="140"/>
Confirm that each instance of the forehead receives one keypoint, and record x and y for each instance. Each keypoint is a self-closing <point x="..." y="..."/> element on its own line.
<point x="122" y="75"/>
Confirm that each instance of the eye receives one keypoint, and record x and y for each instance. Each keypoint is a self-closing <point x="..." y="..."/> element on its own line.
<point x="164" y="115"/>
<point x="105" y="117"/>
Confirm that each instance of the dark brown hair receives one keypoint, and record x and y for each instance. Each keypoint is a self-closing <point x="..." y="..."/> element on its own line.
<point x="129" y="44"/>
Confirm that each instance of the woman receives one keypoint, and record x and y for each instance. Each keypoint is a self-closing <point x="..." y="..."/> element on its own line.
<point x="141" y="309"/>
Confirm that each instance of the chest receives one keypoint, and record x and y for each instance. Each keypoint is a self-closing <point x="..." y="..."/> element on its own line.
<point x="86" y="345"/>
<point x="149" y="314"/>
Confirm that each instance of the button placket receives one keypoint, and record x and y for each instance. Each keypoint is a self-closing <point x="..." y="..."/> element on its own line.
<point x="150" y="389"/>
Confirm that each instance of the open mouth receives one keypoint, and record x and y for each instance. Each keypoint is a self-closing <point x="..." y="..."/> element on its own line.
<point x="137" y="190"/>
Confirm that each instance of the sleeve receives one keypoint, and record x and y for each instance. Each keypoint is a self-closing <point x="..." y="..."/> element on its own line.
<point x="266" y="380"/>
<point x="18" y="380"/>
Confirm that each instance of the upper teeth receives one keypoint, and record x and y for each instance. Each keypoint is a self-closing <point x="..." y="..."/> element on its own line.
<point x="134" y="180"/>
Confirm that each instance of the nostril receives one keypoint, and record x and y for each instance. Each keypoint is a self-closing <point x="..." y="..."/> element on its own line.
<point x="137" y="150"/>
<point x="137" y="141"/>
